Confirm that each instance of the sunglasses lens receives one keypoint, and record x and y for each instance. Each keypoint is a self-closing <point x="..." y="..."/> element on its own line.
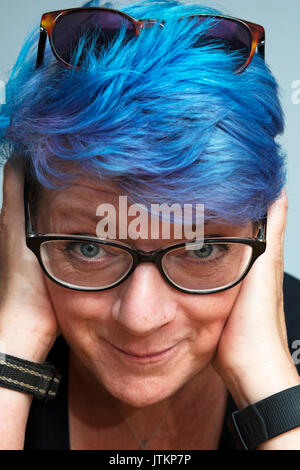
<point x="231" y="35"/>
<point x="98" y="28"/>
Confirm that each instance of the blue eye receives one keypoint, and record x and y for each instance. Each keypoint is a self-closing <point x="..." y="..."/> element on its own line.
<point x="89" y="250"/>
<point x="208" y="252"/>
<point x="204" y="252"/>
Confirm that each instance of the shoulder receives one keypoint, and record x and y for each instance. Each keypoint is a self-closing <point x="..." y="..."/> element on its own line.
<point x="291" y="295"/>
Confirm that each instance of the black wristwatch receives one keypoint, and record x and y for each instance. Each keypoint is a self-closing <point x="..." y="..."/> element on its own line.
<point x="265" y="419"/>
<point x="41" y="380"/>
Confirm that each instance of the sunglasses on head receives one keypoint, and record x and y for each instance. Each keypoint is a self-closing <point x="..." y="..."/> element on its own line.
<point x="65" y="29"/>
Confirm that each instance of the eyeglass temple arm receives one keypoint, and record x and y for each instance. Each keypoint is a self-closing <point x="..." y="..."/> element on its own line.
<point x="28" y="227"/>
<point x="262" y="233"/>
<point x="41" y="48"/>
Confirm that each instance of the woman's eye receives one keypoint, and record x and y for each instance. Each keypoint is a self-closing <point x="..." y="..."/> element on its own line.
<point x="90" y="251"/>
<point x="207" y="252"/>
<point x="87" y="250"/>
<point x="203" y="252"/>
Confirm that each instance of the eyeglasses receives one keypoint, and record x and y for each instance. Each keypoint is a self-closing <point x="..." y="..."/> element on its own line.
<point x="93" y="264"/>
<point x="65" y="29"/>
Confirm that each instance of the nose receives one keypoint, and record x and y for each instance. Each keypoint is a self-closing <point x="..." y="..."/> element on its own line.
<point x="145" y="302"/>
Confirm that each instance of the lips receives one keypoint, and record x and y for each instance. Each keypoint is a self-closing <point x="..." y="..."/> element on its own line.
<point x="144" y="356"/>
<point x="132" y="356"/>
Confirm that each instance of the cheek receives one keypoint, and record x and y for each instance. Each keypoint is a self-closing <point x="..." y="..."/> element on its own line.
<point x="209" y="313"/>
<point x="78" y="311"/>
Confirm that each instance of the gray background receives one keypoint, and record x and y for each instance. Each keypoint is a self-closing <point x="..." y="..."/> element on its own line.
<point x="281" y="22"/>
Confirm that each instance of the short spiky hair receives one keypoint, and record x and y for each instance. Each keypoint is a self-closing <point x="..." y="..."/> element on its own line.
<point x="169" y="122"/>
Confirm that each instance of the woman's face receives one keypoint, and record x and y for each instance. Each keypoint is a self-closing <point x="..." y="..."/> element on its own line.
<point x="118" y="333"/>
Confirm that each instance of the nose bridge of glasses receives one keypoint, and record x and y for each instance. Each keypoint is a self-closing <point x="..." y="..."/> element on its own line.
<point x="148" y="256"/>
<point x="148" y="22"/>
<point x="145" y="257"/>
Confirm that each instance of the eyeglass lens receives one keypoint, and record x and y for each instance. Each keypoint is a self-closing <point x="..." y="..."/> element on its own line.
<point x="85" y="264"/>
<point x="210" y="267"/>
<point x="96" y="28"/>
<point x="230" y="35"/>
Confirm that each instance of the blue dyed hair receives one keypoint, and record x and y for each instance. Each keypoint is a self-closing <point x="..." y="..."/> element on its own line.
<point x="167" y="121"/>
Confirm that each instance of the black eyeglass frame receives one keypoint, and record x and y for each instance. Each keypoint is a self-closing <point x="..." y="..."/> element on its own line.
<point x="49" y="19"/>
<point x="34" y="241"/>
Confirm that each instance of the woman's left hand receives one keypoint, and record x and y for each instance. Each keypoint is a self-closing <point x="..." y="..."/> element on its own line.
<point x="253" y="357"/>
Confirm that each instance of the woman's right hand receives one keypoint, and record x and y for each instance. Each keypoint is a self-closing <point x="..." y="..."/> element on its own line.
<point x="28" y="325"/>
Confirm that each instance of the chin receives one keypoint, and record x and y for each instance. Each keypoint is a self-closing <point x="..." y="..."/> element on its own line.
<point x="140" y="392"/>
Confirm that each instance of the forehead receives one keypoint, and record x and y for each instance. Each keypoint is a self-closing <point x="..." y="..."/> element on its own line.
<point x="83" y="196"/>
<point x="80" y="200"/>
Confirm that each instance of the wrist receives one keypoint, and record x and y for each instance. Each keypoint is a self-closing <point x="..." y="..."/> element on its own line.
<point x="250" y="385"/>
<point x="25" y="336"/>
<point x="30" y="346"/>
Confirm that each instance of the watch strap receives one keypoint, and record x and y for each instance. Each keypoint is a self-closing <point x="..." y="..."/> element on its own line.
<point x="41" y="380"/>
<point x="266" y="419"/>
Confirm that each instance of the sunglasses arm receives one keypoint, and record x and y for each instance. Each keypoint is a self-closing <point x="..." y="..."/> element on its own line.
<point x="261" y="49"/>
<point x="41" y="48"/>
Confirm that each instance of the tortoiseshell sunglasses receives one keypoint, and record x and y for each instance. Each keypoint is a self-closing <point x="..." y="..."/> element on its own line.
<point x="66" y="27"/>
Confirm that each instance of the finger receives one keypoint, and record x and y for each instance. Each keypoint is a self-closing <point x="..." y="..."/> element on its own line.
<point x="277" y="218"/>
<point x="276" y="225"/>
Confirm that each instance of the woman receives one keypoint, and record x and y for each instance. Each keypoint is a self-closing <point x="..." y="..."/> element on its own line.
<point x="149" y="356"/>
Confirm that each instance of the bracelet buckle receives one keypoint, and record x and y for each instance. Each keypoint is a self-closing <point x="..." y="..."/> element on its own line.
<point x="248" y="428"/>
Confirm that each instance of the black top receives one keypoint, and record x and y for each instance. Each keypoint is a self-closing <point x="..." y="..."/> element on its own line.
<point x="48" y="427"/>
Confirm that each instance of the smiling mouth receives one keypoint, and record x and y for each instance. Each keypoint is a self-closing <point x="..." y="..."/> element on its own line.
<point x="145" y="357"/>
